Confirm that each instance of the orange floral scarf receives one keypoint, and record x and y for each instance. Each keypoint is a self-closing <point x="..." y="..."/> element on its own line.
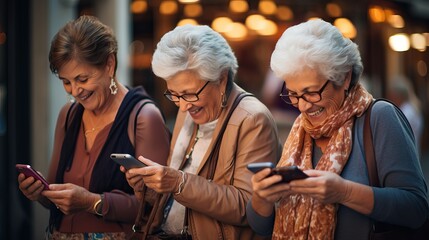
<point x="300" y="216"/>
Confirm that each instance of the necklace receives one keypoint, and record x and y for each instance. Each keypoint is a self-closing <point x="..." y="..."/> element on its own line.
<point x="188" y="156"/>
<point x="87" y="132"/>
<point x="94" y="127"/>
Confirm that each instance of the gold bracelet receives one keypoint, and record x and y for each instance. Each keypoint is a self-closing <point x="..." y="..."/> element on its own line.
<point x="182" y="182"/>
<point x="97" y="204"/>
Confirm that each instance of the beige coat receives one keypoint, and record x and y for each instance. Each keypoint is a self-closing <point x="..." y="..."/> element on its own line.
<point x="217" y="209"/>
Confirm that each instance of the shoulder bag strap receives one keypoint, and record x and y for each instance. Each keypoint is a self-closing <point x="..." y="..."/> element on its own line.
<point x="214" y="155"/>
<point x="369" y="149"/>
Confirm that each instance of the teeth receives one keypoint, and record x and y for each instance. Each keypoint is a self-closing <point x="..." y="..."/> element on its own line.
<point x="195" y="111"/>
<point x="84" y="97"/>
<point x="315" y="113"/>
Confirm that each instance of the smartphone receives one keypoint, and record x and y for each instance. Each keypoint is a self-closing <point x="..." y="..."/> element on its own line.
<point x="288" y="173"/>
<point x="127" y="160"/>
<point x="258" y="166"/>
<point x="28" y="171"/>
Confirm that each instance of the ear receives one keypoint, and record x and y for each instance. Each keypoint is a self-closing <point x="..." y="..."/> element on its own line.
<point x="223" y="80"/>
<point x="110" y="65"/>
<point x="348" y="80"/>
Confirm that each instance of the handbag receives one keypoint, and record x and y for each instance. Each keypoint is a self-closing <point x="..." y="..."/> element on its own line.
<point x="145" y="224"/>
<point x="384" y="231"/>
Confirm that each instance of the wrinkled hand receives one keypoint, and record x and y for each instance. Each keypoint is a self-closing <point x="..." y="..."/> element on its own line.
<point x="70" y="198"/>
<point x="133" y="179"/>
<point x="266" y="188"/>
<point x="160" y="178"/>
<point x="327" y="187"/>
<point x="29" y="187"/>
<point x="266" y="191"/>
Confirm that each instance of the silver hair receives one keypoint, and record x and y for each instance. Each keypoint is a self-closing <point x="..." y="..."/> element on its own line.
<point x="196" y="48"/>
<point x="320" y="46"/>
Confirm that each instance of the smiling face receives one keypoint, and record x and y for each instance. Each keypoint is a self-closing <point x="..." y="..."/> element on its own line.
<point x="208" y="107"/>
<point x="332" y="97"/>
<point x="87" y="84"/>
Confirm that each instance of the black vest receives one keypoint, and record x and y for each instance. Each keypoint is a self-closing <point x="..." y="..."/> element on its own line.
<point x="106" y="175"/>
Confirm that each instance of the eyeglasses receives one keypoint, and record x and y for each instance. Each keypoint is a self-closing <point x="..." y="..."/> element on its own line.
<point x="189" y="97"/>
<point x="311" y="97"/>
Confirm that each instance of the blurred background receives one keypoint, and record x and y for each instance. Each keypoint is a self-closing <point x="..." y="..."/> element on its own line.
<point x="393" y="37"/>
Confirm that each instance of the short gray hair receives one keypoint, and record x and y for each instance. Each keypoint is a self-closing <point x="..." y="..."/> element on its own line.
<point x="320" y="46"/>
<point x="196" y="48"/>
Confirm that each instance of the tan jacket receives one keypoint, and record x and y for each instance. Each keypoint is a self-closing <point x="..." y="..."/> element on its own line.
<point x="217" y="209"/>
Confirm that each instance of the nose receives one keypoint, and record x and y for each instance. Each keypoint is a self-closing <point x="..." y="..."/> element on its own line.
<point x="183" y="105"/>
<point x="75" y="89"/>
<point x="303" y="105"/>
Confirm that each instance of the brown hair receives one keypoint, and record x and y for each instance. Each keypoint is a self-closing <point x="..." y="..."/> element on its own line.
<point x="85" y="39"/>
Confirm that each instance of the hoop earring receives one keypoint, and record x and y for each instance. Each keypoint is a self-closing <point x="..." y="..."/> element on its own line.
<point x="224" y="100"/>
<point x="113" y="88"/>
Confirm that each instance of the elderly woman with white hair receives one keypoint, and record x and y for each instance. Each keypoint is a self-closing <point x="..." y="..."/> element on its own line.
<point x="219" y="129"/>
<point x="321" y="70"/>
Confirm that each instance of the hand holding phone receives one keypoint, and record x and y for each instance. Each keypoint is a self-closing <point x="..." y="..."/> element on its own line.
<point x="127" y="160"/>
<point x="288" y="173"/>
<point x="28" y="171"/>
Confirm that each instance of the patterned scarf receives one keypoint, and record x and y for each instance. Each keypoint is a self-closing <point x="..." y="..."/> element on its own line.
<point x="300" y="216"/>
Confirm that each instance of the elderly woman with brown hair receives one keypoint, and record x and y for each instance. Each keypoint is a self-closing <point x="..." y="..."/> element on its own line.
<point x="89" y="197"/>
<point x="217" y="133"/>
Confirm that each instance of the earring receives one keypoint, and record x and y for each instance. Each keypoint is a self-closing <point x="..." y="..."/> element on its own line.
<point x="224" y="100"/>
<point x="346" y="91"/>
<point x="113" y="87"/>
<point x="70" y="98"/>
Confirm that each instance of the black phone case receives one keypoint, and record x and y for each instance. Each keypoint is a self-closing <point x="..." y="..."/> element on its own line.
<point x="290" y="173"/>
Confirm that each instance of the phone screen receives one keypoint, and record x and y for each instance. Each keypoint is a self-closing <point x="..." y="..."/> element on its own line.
<point x="28" y="171"/>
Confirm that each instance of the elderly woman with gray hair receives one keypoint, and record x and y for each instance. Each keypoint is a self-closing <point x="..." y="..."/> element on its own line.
<point x="215" y="136"/>
<point x="321" y="70"/>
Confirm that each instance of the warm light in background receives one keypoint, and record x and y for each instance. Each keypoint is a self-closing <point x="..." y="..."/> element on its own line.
<point x="221" y="24"/>
<point x="138" y="6"/>
<point x="334" y="10"/>
<point x="187" y="21"/>
<point x="388" y="12"/>
<point x="399" y="42"/>
<point x="255" y="22"/>
<point x="396" y="21"/>
<point x="377" y="14"/>
<point x="168" y="7"/>
<point x="238" y="6"/>
<point x="284" y="13"/>
<point x="346" y="27"/>
<point x="270" y="28"/>
<point x="418" y="41"/>
<point x="193" y="10"/>
<point x="426" y="35"/>
<point x="267" y="7"/>
<point x="236" y="31"/>
<point x="188" y="1"/>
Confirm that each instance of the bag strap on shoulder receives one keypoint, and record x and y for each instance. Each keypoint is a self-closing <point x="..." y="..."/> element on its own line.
<point x="369" y="148"/>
